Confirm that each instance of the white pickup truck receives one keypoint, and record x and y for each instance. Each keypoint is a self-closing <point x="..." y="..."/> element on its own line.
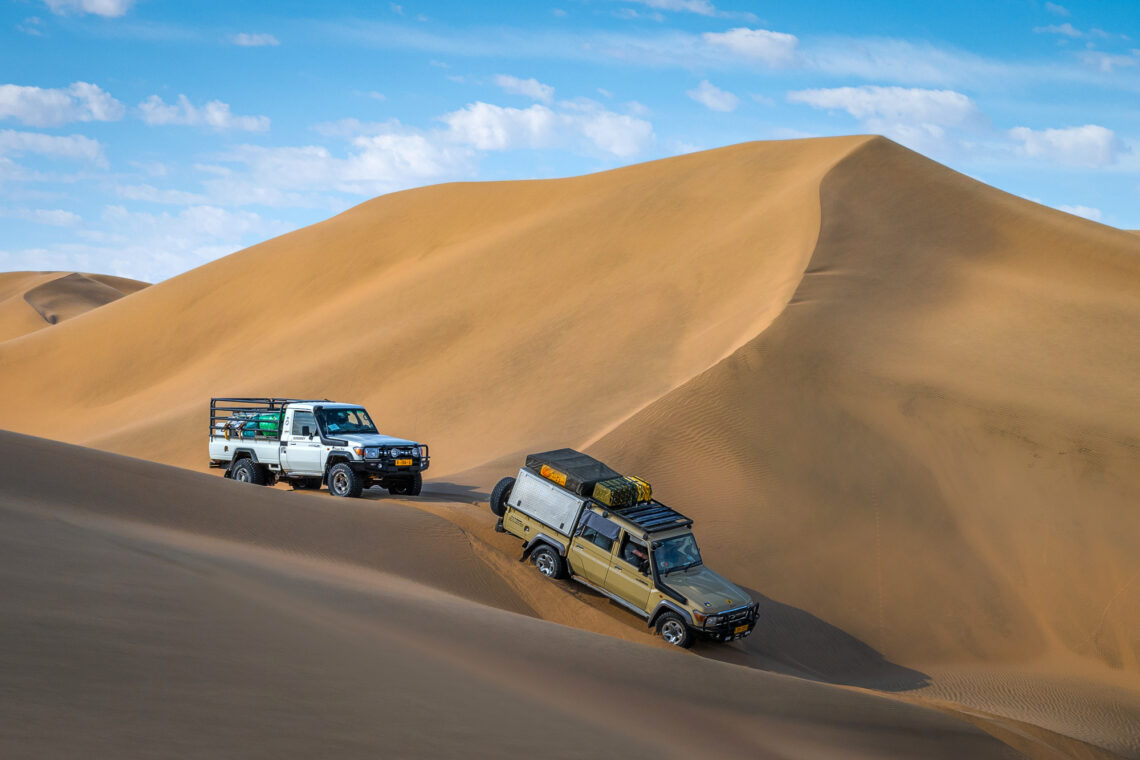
<point x="307" y="443"/>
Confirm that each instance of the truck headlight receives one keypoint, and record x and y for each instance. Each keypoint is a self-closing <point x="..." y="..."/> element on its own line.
<point x="372" y="453"/>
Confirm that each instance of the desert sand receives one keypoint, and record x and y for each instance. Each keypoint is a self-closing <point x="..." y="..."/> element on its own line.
<point x="899" y="404"/>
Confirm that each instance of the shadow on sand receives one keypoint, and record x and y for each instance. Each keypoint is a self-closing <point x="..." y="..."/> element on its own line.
<point x="437" y="491"/>
<point x="794" y="642"/>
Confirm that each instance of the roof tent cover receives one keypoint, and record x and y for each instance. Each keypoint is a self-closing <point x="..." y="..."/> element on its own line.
<point x="581" y="470"/>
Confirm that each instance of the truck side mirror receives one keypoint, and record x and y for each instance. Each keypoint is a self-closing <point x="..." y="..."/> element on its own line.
<point x="305" y="430"/>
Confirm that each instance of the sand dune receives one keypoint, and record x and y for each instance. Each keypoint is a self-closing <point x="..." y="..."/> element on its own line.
<point x="30" y="301"/>
<point x="899" y="403"/>
<point x="160" y="613"/>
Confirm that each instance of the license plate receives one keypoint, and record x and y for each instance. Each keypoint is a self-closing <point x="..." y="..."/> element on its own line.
<point x="739" y="629"/>
<point x="403" y="462"/>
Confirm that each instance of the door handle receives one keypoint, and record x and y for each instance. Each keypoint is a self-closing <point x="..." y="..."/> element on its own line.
<point x="577" y="547"/>
<point x="617" y="568"/>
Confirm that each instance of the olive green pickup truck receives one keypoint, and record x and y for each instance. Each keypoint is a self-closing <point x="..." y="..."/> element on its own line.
<point x="641" y="554"/>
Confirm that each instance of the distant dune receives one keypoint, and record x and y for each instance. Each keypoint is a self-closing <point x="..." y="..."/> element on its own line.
<point x="52" y="297"/>
<point x="900" y="404"/>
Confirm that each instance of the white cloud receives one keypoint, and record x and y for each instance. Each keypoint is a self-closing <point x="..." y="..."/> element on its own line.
<point x="531" y="88"/>
<point x="490" y="127"/>
<point x="351" y="127"/>
<point x="1089" y="145"/>
<point x="151" y="194"/>
<point x="151" y="247"/>
<point x="32" y="25"/>
<point x="71" y="146"/>
<point x="54" y="217"/>
<point x="375" y="163"/>
<point x="1060" y="10"/>
<point x="712" y="97"/>
<point x="254" y="40"/>
<point x="917" y="118"/>
<point x="214" y="114"/>
<point x="1086" y="211"/>
<point x="108" y="8"/>
<point x="771" y="48"/>
<point x="895" y="104"/>
<point x="623" y="136"/>
<point x="701" y="7"/>
<point x="1107" y="62"/>
<point x="1066" y="29"/>
<point x="39" y="107"/>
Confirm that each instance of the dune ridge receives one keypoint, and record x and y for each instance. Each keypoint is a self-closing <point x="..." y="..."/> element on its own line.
<point x="898" y="402"/>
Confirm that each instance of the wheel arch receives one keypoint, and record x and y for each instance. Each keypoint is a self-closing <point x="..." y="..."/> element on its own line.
<point x="667" y="606"/>
<point x="239" y="455"/>
<point x="542" y="539"/>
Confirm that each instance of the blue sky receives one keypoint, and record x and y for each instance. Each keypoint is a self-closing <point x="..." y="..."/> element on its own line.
<point x="146" y="137"/>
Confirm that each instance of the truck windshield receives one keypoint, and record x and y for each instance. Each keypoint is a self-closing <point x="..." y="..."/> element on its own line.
<point x="676" y="553"/>
<point x="345" y="421"/>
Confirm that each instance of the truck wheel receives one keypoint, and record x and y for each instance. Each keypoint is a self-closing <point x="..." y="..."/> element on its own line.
<point x="547" y="561"/>
<point x="344" y="482"/>
<point x="499" y="495"/>
<point x="672" y="628"/>
<point x="245" y="471"/>
<point x="408" y="487"/>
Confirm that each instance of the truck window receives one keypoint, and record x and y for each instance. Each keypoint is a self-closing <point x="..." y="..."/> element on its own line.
<point x="599" y="531"/>
<point x="597" y="539"/>
<point x="634" y="553"/>
<point x="347" y="421"/>
<point x="301" y="420"/>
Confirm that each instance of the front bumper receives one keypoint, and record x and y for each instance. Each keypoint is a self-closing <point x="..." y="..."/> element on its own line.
<point x="383" y="468"/>
<point x="386" y="466"/>
<point x="737" y="623"/>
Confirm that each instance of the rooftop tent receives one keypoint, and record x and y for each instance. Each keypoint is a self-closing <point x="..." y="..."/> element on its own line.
<point x="576" y="471"/>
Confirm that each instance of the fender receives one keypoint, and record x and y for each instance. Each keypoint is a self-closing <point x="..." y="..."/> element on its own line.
<point x="240" y="454"/>
<point x="334" y="458"/>
<point x="542" y="538"/>
<point x="667" y="605"/>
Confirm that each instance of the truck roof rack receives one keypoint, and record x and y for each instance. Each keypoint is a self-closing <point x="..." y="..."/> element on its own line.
<point x="652" y="516"/>
<point x="222" y="409"/>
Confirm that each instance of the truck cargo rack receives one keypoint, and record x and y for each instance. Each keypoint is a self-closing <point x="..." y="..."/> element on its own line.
<point x="653" y="516"/>
<point x="223" y="410"/>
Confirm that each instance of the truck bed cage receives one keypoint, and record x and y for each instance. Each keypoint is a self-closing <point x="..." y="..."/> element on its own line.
<point x="225" y="412"/>
<point x="652" y="516"/>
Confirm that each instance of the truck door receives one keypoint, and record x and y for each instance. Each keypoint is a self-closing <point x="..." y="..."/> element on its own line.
<point x="301" y="453"/>
<point x="629" y="572"/>
<point x="592" y="547"/>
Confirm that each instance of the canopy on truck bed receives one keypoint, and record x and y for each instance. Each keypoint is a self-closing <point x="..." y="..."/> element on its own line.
<point x="580" y="471"/>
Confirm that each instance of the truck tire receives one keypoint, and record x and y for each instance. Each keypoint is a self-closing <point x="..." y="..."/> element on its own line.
<point x="548" y="562"/>
<point x="344" y="482"/>
<point x="673" y="629"/>
<point x="312" y="484"/>
<point x="499" y="495"/>
<point x="408" y="487"/>
<point x="246" y="471"/>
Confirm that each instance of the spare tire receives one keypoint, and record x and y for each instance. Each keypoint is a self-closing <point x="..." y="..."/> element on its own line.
<point x="499" y="495"/>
